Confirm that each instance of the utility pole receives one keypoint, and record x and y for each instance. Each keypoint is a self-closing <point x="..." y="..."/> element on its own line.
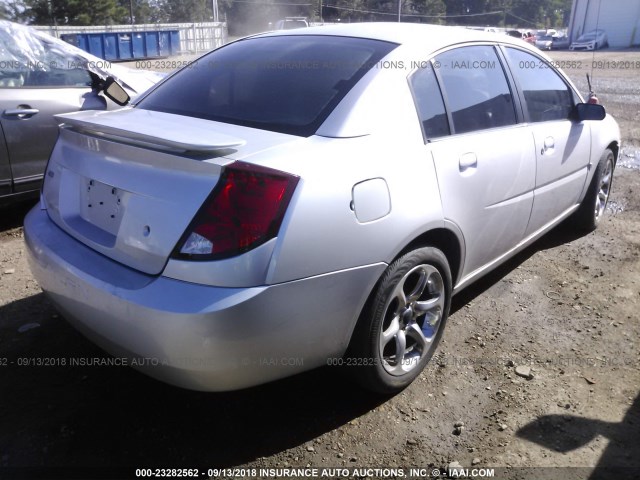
<point x="399" y="10"/>
<point x="131" y="10"/>
<point x="214" y="6"/>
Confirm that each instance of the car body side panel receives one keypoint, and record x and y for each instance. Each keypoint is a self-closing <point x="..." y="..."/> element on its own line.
<point x="30" y="139"/>
<point x="604" y="134"/>
<point x="607" y="133"/>
<point x="320" y="216"/>
<point x="563" y="150"/>
<point x="490" y="201"/>
<point x="5" y="167"/>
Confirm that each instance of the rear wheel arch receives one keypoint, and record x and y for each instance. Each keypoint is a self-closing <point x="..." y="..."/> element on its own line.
<point x="445" y="240"/>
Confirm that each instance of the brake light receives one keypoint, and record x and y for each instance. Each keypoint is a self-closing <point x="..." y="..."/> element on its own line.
<point x="243" y="211"/>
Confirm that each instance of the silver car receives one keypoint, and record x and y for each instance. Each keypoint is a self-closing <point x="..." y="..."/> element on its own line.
<point x="544" y="42"/>
<point x="313" y="197"/>
<point x="41" y="76"/>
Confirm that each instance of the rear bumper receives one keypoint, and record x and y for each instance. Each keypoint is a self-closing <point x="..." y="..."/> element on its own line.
<point x="197" y="336"/>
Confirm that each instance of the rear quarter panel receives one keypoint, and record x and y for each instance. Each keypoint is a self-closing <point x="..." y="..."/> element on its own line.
<point x="374" y="133"/>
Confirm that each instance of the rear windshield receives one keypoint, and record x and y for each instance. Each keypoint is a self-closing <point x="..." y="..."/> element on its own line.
<point x="287" y="84"/>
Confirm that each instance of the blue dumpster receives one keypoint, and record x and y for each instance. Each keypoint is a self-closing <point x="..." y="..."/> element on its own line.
<point x="127" y="45"/>
<point x="138" y="45"/>
<point x="151" y="42"/>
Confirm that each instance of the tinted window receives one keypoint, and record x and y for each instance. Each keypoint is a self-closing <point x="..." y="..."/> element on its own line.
<point x="287" y="84"/>
<point x="476" y="88"/>
<point x="546" y="95"/>
<point x="428" y="98"/>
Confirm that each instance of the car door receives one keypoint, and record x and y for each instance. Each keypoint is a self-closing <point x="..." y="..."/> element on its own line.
<point x="484" y="159"/>
<point x="562" y="145"/>
<point x="27" y="107"/>
<point x="5" y="168"/>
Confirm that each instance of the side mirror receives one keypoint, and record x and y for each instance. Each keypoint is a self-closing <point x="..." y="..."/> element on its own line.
<point x="589" y="111"/>
<point x="114" y="91"/>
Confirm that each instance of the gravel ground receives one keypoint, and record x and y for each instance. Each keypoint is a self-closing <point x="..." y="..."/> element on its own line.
<point x="537" y="374"/>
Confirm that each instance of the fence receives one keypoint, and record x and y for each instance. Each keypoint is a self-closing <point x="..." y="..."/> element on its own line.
<point x="194" y="37"/>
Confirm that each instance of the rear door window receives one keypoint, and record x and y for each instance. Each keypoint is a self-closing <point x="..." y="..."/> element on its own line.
<point x="287" y="84"/>
<point x="476" y="89"/>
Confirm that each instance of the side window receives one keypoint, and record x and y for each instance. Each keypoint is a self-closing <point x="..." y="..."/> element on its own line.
<point x="29" y="62"/>
<point x="546" y="95"/>
<point x="34" y="76"/>
<point x="476" y="89"/>
<point x="429" y="103"/>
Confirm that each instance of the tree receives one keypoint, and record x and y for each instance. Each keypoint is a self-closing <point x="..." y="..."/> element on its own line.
<point x="75" y="12"/>
<point x="542" y="13"/>
<point x="429" y="11"/>
<point x="248" y="16"/>
<point x="97" y="12"/>
<point x="476" y="12"/>
<point x="143" y="11"/>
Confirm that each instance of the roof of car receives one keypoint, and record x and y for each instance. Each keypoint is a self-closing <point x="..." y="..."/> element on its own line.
<point x="435" y="36"/>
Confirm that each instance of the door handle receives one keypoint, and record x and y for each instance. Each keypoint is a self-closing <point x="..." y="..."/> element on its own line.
<point x="468" y="160"/>
<point x="549" y="145"/>
<point x="21" y="112"/>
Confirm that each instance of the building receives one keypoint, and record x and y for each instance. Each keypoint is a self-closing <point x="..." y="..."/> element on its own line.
<point x="619" y="18"/>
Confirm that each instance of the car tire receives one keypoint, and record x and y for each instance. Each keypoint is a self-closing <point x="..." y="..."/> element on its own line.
<point x="592" y="208"/>
<point x="403" y="322"/>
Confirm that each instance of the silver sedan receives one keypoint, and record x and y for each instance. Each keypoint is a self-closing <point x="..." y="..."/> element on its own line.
<point x="312" y="197"/>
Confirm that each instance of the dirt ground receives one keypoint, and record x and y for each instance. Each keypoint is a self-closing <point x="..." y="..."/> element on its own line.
<point x="567" y="308"/>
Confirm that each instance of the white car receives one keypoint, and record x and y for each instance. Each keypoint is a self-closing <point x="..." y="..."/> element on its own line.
<point x="593" y="40"/>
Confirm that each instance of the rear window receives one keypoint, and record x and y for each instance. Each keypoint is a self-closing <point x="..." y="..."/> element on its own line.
<point x="287" y="84"/>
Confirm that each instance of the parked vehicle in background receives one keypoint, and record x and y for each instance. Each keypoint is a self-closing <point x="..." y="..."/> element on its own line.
<point x="560" y="42"/>
<point x="42" y="76"/>
<point x="593" y="40"/>
<point x="544" y="42"/>
<point x="290" y="23"/>
<point x="530" y="38"/>
<point x="316" y="200"/>
<point x="515" y="34"/>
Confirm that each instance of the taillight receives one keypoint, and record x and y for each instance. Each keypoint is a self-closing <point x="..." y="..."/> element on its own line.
<point x="244" y="210"/>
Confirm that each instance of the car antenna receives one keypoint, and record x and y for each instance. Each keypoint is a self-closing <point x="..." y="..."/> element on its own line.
<point x="592" y="95"/>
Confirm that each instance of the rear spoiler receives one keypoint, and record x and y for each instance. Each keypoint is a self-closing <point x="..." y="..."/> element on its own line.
<point x="151" y="129"/>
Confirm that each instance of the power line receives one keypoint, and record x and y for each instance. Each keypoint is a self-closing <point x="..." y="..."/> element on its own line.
<point x="257" y="2"/>
<point x="520" y="18"/>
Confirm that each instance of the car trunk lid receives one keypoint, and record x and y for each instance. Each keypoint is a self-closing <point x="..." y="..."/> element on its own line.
<point x="128" y="183"/>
